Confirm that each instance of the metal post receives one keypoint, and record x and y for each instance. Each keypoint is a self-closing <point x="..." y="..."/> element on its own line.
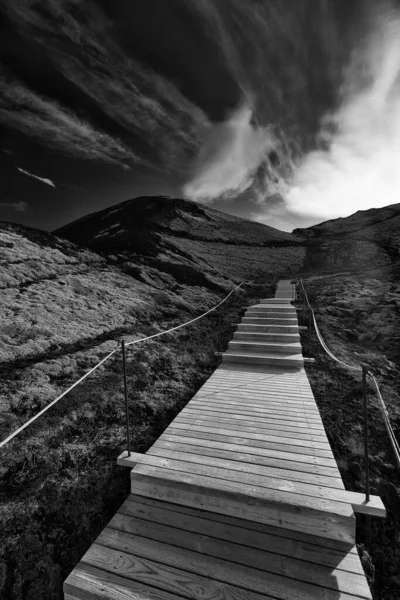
<point x="309" y="334"/>
<point x="366" y="460"/>
<point x="219" y="328"/>
<point x="128" y="434"/>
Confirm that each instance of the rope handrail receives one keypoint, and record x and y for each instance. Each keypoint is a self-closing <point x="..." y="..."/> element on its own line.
<point x="386" y="420"/>
<point x="320" y="338"/>
<point x="46" y="408"/>
<point x="150" y="337"/>
<point x="385" y="413"/>
<point x="17" y="431"/>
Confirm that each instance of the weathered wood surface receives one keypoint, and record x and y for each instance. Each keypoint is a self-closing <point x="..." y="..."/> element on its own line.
<point x="241" y="497"/>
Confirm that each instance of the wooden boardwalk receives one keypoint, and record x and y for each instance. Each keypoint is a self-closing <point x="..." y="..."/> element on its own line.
<point x="241" y="497"/>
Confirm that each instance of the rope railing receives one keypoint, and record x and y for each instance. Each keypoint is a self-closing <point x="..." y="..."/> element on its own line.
<point x="320" y="338"/>
<point x="365" y="372"/>
<point x="386" y="419"/>
<point x="46" y="408"/>
<point x="150" y="337"/>
<point x="124" y="345"/>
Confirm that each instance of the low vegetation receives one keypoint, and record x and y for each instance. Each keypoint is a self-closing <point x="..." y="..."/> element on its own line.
<point x="360" y="322"/>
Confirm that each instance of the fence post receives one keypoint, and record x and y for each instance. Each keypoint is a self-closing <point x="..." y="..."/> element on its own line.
<point x="309" y="334"/>
<point x="219" y="329"/>
<point x="128" y="434"/>
<point x="366" y="460"/>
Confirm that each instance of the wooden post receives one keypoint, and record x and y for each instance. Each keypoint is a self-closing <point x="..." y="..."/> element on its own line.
<point x="128" y="434"/>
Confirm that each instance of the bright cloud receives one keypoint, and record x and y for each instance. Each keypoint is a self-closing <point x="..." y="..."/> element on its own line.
<point x="42" y="179"/>
<point x="359" y="166"/>
<point x="229" y="157"/>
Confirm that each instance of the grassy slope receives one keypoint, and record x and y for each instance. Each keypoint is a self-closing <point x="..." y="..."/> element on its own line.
<point x="366" y="239"/>
<point x="360" y="322"/>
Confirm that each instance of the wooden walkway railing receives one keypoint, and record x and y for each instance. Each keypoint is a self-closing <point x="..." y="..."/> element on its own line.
<point x="241" y="497"/>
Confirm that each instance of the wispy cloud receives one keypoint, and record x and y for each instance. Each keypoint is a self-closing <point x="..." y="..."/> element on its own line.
<point x="17" y="206"/>
<point x="54" y="126"/>
<point x="358" y="165"/>
<point x="42" y="179"/>
<point x="157" y="124"/>
<point x="229" y="157"/>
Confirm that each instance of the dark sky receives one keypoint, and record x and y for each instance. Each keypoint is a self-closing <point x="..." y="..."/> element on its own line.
<point x="102" y="101"/>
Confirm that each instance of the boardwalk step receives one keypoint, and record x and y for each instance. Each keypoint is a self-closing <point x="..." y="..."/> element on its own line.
<point x="286" y="301"/>
<point x="276" y="308"/>
<point x="266" y="337"/>
<point x="271" y="328"/>
<point x="263" y="358"/>
<point x="213" y="468"/>
<point x="297" y="512"/>
<point x="261" y="346"/>
<point x="270" y="314"/>
<point x="259" y="320"/>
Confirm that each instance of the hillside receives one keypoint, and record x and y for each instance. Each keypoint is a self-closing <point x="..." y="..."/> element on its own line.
<point x="187" y="240"/>
<point x="358" y="313"/>
<point x="369" y="238"/>
<point x="359" y="318"/>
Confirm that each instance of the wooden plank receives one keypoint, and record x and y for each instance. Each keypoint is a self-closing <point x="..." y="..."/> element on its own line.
<point x="249" y="421"/>
<point x="276" y="443"/>
<point x="257" y="399"/>
<point x="261" y="402"/>
<point x="268" y="408"/>
<point x="328" y="553"/>
<point x="252" y="459"/>
<point x="266" y="414"/>
<point x="261" y="381"/>
<point x="237" y="407"/>
<point x="226" y="384"/>
<point x="245" y="466"/>
<point x="91" y="583"/>
<point x="271" y="450"/>
<point x="264" y="560"/>
<point x="252" y="427"/>
<point x="332" y="520"/>
<point x="176" y="581"/>
<point x="209" y="458"/>
<point x="293" y="393"/>
<point x="284" y="439"/>
<point x="268" y="421"/>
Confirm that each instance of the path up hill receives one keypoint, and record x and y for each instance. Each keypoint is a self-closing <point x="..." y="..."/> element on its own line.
<point x="368" y="238"/>
<point x="186" y="240"/>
